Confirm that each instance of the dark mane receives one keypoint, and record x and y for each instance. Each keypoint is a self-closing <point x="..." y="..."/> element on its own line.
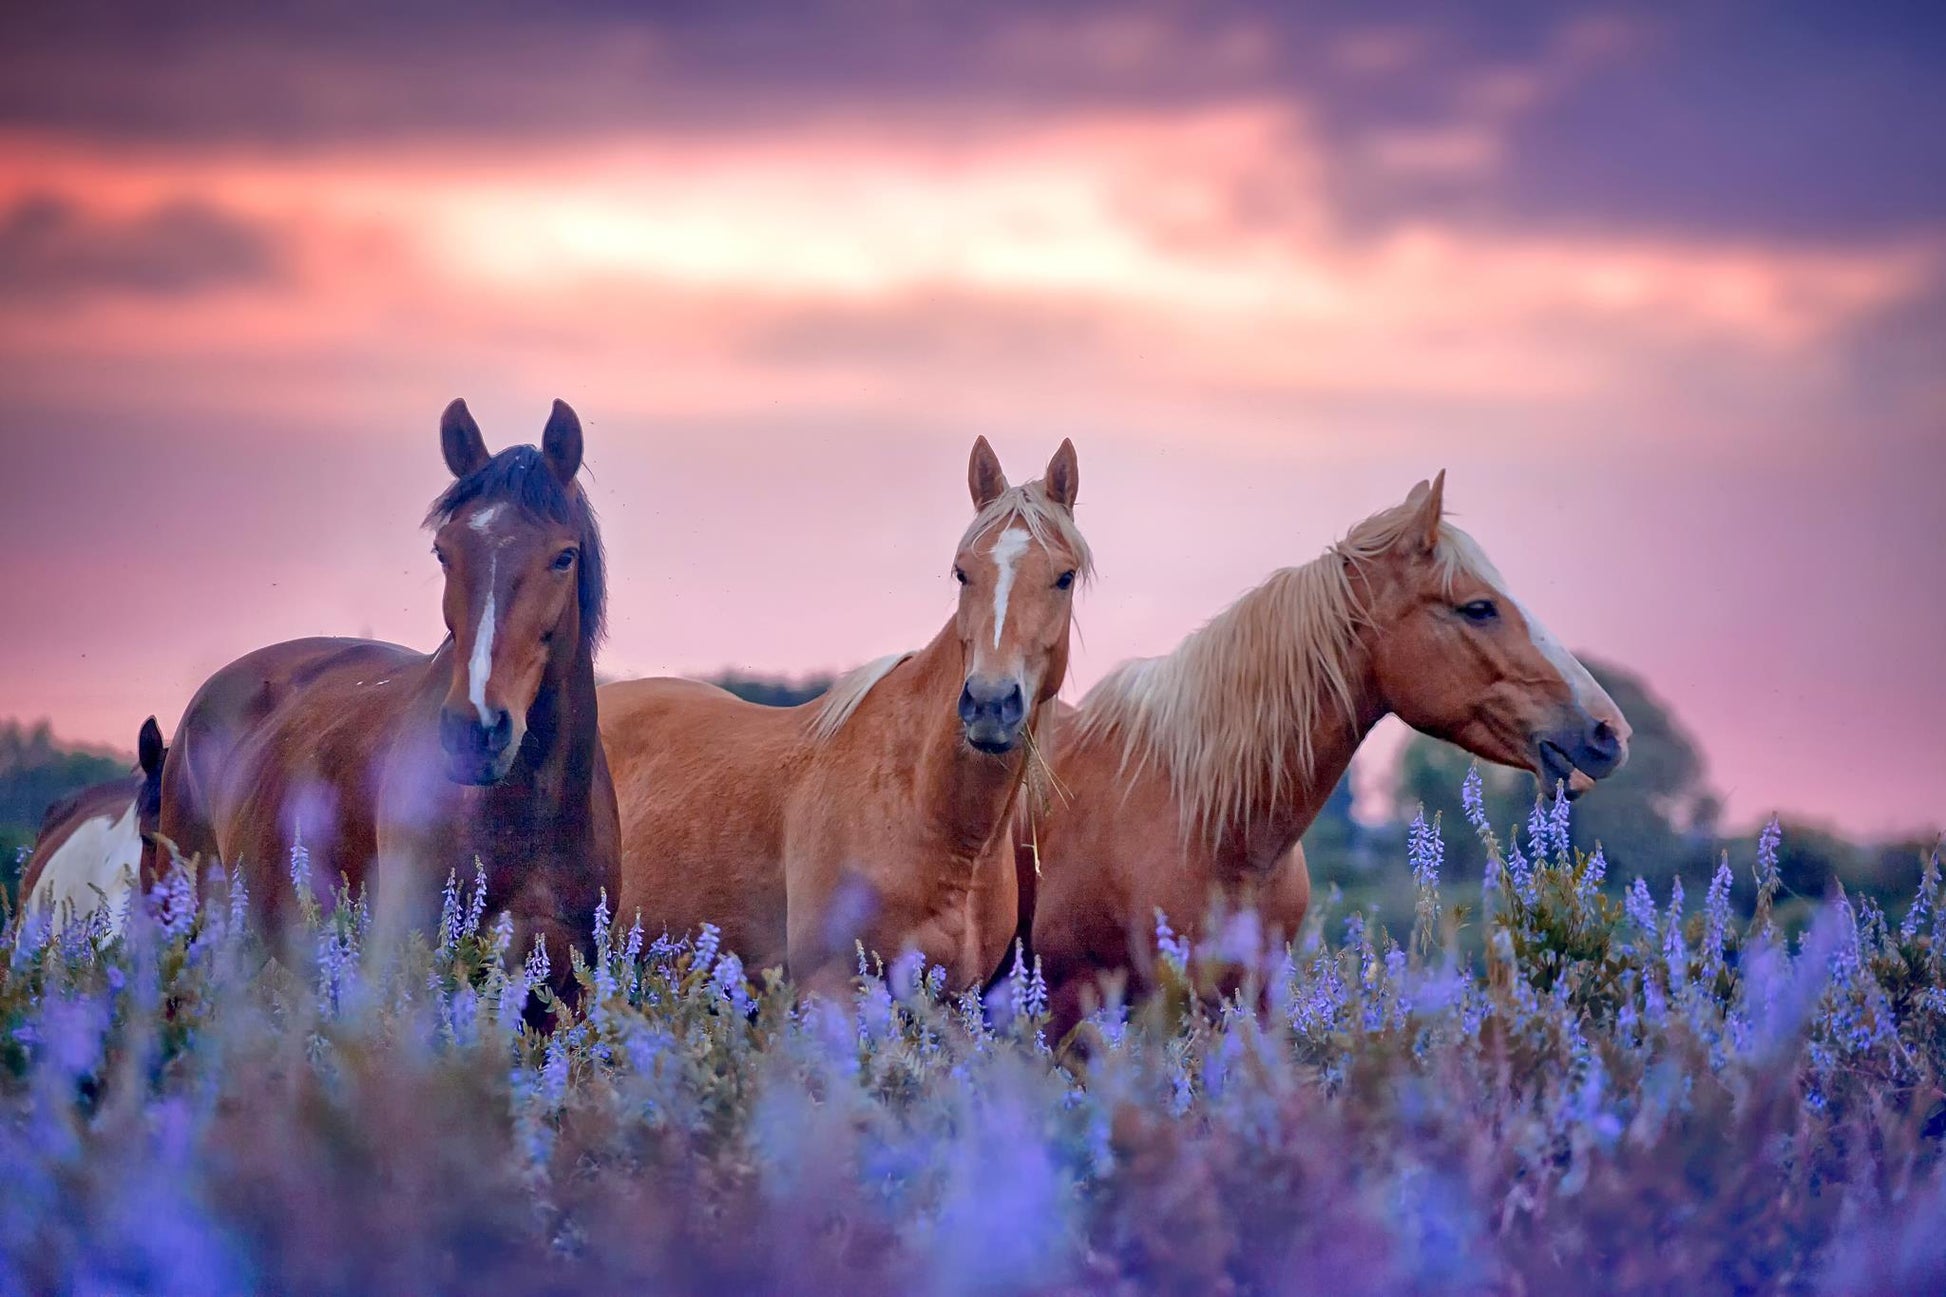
<point x="519" y="476"/>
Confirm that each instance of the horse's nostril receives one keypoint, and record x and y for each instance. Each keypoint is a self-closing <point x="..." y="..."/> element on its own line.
<point x="1603" y="739"/>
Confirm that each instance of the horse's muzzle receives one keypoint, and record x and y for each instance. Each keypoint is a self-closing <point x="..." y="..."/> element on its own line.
<point x="992" y="710"/>
<point x="1595" y="748"/>
<point x="476" y="752"/>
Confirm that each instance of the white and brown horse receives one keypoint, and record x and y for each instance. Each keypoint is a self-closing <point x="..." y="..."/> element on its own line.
<point x="395" y="766"/>
<point x="878" y="813"/>
<point x="88" y="854"/>
<point x="1189" y="779"/>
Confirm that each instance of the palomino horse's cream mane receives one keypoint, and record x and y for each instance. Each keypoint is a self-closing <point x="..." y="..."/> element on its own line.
<point x="1240" y="699"/>
<point x="1048" y="523"/>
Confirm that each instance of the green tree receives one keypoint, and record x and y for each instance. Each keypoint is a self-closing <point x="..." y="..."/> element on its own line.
<point x="772" y="691"/>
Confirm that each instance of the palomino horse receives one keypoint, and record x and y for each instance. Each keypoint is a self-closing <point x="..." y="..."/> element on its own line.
<point x="1188" y="779"/>
<point x="879" y="812"/>
<point x="396" y="766"/>
<point x="88" y="853"/>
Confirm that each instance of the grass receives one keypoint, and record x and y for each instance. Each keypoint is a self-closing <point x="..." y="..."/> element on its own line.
<point x="1623" y="1093"/>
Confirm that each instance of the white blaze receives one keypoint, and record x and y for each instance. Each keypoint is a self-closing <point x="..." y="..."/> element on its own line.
<point x="486" y="517"/>
<point x="1592" y="697"/>
<point x="1006" y="552"/>
<point x="480" y="666"/>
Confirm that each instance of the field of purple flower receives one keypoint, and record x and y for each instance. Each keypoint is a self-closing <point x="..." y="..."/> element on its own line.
<point x="1624" y="1096"/>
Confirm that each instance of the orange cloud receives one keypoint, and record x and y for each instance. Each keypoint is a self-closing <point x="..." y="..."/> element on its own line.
<point x="1202" y="250"/>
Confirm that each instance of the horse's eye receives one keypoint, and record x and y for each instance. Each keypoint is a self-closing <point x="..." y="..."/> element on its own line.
<point x="1064" y="581"/>
<point x="440" y="554"/>
<point x="564" y="560"/>
<point x="1479" y="612"/>
<point x="959" y="575"/>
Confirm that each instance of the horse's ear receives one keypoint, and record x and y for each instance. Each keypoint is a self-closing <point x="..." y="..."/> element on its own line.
<point x="148" y="747"/>
<point x="1428" y="500"/>
<point x="561" y="443"/>
<point x="460" y="439"/>
<point x="1063" y="477"/>
<point x="983" y="475"/>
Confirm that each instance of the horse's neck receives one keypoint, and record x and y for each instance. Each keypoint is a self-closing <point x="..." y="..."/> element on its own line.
<point x="556" y="779"/>
<point x="1267" y="834"/>
<point x="549" y="788"/>
<point x="962" y="796"/>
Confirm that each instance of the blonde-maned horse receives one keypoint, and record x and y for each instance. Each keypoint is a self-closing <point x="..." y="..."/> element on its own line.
<point x="878" y="813"/>
<point x="1184" y="782"/>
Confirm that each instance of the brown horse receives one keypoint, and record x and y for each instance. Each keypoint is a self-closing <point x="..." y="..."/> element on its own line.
<point x="88" y="854"/>
<point x="879" y="812"/>
<point x="397" y="767"/>
<point x="1189" y="779"/>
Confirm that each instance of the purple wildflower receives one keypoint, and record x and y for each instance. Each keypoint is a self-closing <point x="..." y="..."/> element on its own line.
<point x="1592" y="874"/>
<point x="1926" y="901"/>
<point x="1559" y="832"/>
<point x="1525" y="884"/>
<point x="1675" y="954"/>
<point x="1537" y="830"/>
<point x="1036" y="999"/>
<point x="476" y="903"/>
<point x="728" y="981"/>
<point x="1425" y="849"/>
<point x="449" y="913"/>
<point x="1017" y="982"/>
<point x="1639" y="906"/>
<point x="708" y="941"/>
<point x="538" y="966"/>
<point x="1473" y="799"/>
<point x="1716" y="917"/>
<point x="1173" y="949"/>
<point x="179" y="900"/>
<point x="300" y="868"/>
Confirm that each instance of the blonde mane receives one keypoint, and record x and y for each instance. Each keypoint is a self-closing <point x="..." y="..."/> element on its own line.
<point x="1233" y="713"/>
<point x="842" y="699"/>
<point x="1048" y="523"/>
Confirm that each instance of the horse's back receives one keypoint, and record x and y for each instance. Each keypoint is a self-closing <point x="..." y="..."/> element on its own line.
<point x="89" y="848"/>
<point x="280" y="725"/>
<point x="701" y="778"/>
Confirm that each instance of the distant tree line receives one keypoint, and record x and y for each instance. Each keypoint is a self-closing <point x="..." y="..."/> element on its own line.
<point x="35" y="772"/>
<point x="1656" y="817"/>
<point x="772" y="691"/>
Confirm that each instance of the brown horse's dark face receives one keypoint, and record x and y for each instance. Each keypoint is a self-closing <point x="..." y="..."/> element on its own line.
<point x="510" y="603"/>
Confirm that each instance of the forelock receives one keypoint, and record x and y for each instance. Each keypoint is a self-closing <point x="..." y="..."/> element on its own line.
<point x="1048" y="523"/>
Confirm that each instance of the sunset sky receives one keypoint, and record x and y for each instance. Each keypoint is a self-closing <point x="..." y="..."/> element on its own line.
<point x="1663" y="289"/>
